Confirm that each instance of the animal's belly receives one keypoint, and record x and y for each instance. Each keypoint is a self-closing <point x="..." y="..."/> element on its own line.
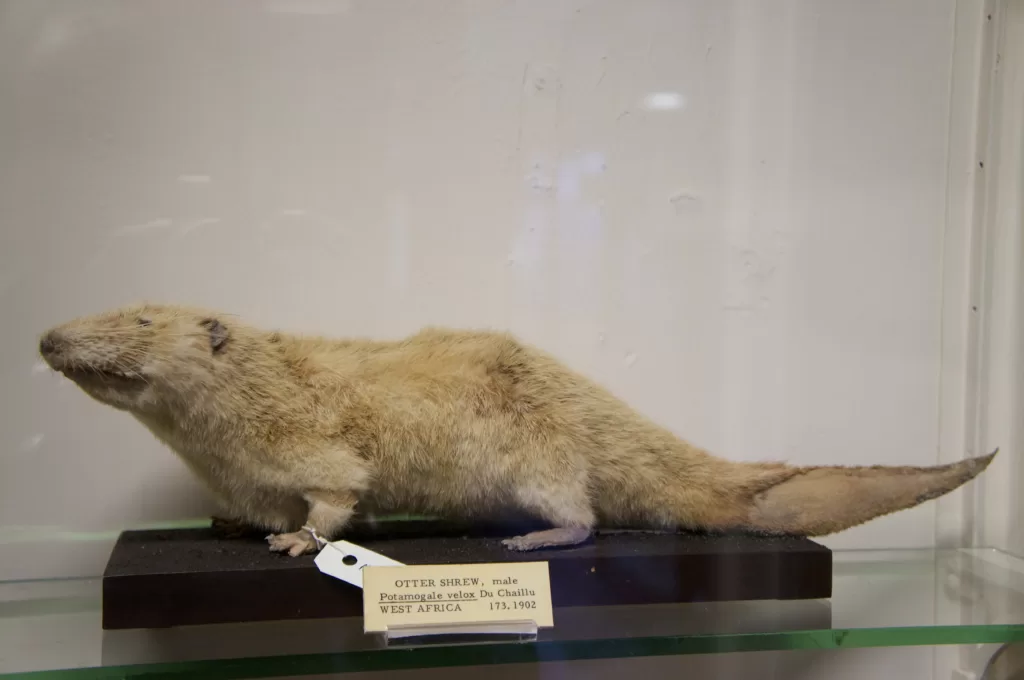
<point x="250" y="498"/>
<point x="437" y="492"/>
<point x="243" y="491"/>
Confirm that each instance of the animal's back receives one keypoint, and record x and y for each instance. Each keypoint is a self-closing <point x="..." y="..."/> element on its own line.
<point x="467" y="422"/>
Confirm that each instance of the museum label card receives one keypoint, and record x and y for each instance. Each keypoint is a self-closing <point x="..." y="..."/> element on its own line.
<point x="443" y="594"/>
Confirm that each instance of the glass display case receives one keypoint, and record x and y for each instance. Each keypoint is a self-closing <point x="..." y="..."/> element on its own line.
<point x="781" y="230"/>
<point x="885" y="598"/>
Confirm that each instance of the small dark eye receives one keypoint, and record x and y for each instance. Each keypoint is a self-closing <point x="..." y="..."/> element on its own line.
<point x="143" y="322"/>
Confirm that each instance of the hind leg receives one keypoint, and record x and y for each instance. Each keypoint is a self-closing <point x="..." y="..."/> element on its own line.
<point x="568" y="509"/>
<point x="562" y="537"/>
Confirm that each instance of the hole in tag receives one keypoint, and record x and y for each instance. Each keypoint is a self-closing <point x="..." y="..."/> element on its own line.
<point x="349" y="560"/>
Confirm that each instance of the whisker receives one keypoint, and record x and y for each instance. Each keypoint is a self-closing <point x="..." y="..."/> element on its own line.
<point x="135" y="331"/>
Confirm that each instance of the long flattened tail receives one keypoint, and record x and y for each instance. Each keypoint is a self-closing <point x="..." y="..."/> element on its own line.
<point x="815" y="501"/>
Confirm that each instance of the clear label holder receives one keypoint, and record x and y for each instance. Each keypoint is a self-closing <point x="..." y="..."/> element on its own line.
<point x="460" y="634"/>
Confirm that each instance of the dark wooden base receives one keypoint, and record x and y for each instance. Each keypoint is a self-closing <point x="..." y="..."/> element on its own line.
<point x="157" y="579"/>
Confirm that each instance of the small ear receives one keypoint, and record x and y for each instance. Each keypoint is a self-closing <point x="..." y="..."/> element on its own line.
<point x="218" y="333"/>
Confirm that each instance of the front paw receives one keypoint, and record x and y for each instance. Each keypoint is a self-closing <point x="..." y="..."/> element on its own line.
<point x="295" y="544"/>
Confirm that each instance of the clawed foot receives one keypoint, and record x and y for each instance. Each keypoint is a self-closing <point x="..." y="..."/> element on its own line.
<point x="295" y="544"/>
<point x="550" y="538"/>
<point x="519" y="544"/>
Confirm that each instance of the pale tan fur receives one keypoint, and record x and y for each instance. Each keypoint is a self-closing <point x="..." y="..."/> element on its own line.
<point x="292" y="431"/>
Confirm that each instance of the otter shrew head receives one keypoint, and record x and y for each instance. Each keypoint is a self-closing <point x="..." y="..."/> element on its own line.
<point x="128" y="358"/>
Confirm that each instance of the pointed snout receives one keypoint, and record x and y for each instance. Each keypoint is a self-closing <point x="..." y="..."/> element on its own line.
<point x="52" y="345"/>
<point x="49" y="343"/>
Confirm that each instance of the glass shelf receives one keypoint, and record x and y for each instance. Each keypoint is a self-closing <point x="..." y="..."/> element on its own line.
<point x="51" y="629"/>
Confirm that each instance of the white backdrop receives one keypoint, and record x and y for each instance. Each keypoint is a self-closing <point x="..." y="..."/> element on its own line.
<point x="730" y="213"/>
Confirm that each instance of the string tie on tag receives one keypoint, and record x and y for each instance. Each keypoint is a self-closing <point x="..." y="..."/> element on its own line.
<point x="320" y="541"/>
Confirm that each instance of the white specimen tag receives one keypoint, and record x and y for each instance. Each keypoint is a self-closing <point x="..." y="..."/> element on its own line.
<point x="345" y="561"/>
